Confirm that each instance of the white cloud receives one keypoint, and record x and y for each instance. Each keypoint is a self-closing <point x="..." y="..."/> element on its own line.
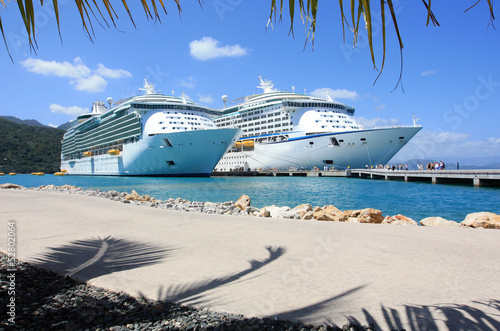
<point x="428" y="73"/>
<point x="377" y="121"/>
<point x="81" y="76"/>
<point x="90" y="84"/>
<point x="335" y="94"/>
<point x="190" y="82"/>
<point x="452" y="145"/>
<point x="381" y="106"/>
<point x="112" y="73"/>
<point x="74" y="110"/>
<point x="207" y="99"/>
<point x="494" y="141"/>
<point x="208" y="48"/>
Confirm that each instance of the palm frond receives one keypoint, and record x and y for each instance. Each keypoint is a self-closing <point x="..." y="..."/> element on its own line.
<point x="5" y="40"/>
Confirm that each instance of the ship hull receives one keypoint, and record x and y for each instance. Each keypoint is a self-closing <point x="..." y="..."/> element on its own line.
<point x="191" y="153"/>
<point x="355" y="149"/>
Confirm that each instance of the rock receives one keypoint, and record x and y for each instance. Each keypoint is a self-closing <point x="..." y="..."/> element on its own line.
<point x="264" y="212"/>
<point x="243" y="202"/>
<point x="326" y="213"/>
<point x="344" y="216"/>
<point x="132" y="196"/>
<point x="303" y="207"/>
<point x="10" y="185"/>
<point x="305" y="215"/>
<point x="438" y="221"/>
<point x="302" y="211"/>
<point x="276" y="211"/>
<point x="399" y="220"/>
<point x="368" y="215"/>
<point x="482" y="220"/>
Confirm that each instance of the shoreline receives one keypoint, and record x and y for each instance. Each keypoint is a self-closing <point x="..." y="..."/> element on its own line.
<point x="305" y="211"/>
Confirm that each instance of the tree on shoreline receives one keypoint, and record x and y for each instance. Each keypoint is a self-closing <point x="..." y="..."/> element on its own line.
<point x="91" y="12"/>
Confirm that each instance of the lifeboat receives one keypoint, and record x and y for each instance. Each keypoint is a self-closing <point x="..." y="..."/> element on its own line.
<point x="2" y="174"/>
<point x="33" y="173"/>
<point x="12" y="174"/>
<point x="238" y="144"/>
<point x="248" y="143"/>
<point x="114" y="152"/>
<point x="40" y="174"/>
<point x="86" y="154"/>
<point x="60" y="173"/>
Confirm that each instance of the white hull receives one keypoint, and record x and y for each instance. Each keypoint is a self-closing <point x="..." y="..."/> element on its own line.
<point x="192" y="153"/>
<point x="356" y="149"/>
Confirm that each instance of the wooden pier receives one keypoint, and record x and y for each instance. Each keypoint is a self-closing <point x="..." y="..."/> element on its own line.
<point x="474" y="177"/>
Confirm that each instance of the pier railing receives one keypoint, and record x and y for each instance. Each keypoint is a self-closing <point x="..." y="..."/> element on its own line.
<point x="475" y="177"/>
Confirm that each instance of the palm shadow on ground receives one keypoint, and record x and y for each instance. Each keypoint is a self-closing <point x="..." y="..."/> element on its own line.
<point x="94" y="257"/>
<point x="193" y="293"/>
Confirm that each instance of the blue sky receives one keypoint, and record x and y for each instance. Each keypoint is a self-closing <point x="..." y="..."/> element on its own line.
<point x="451" y="74"/>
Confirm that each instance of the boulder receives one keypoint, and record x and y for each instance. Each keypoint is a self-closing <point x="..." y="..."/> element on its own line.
<point x="368" y="215"/>
<point x="303" y="207"/>
<point x="243" y="202"/>
<point x="275" y="211"/>
<point x="344" y="216"/>
<point x="264" y="212"/>
<point x="326" y="213"/>
<point x="132" y="196"/>
<point x="72" y="187"/>
<point x="305" y="215"/>
<point x="438" y="221"/>
<point x="482" y="220"/>
<point x="399" y="220"/>
<point x="10" y="185"/>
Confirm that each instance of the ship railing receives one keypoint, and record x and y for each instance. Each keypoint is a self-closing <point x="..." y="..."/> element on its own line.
<point x="397" y="126"/>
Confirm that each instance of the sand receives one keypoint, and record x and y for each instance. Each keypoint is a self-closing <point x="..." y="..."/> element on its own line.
<point x="418" y="278"/>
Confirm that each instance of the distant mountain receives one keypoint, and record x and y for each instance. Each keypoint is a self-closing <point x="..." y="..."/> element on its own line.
<point x="25" y="148"/>
<point x="64" y="126"/>
<point x="26" y="122"/>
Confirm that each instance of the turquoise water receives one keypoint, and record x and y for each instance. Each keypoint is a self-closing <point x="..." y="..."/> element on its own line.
<point x="413" y="199"/>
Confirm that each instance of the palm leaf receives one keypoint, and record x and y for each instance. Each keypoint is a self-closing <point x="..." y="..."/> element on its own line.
<point x="393" y="15"/>
<point x="368" y="19"/>
<point x="5" y="40"/>
<point x="382" y="14"/>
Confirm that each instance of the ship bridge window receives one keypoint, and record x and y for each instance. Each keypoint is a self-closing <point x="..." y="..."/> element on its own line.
<point x="328" y="161"/>
<point x="363" y="139"/>
<point x="401" y="137"/>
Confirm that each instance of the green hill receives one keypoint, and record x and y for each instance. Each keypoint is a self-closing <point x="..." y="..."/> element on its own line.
<point x="26" y="149"/>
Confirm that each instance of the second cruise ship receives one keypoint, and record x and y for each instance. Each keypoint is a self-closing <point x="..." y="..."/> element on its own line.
<point x="288" y="130"/>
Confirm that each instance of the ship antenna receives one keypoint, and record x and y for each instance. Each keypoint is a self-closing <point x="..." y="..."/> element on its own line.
<point x="415" y="120"/>
<point x="266" y="85"/>
<point x="149" y="88"/>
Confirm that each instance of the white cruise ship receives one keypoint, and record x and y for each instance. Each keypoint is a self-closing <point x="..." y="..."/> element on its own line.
<point x="288" y="130"/>
<point x="147" y="135"/>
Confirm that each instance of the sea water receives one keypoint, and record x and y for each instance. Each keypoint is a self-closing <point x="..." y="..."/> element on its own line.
<point x="417" y="200"/>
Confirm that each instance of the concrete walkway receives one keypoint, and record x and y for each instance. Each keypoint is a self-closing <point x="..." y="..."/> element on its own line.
<point x="317" y="272"/>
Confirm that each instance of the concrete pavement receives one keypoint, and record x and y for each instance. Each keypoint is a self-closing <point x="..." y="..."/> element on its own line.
<point x="318" y="272"/>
